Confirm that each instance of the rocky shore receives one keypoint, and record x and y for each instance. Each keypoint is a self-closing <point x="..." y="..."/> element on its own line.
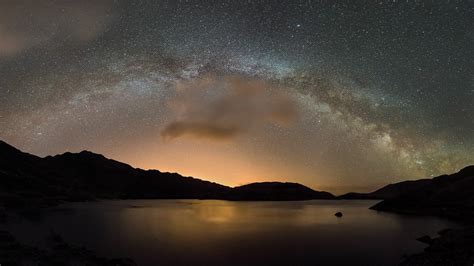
<point x="453" y="247"/>
<point x="58" y="252"/>
<point x="447" y="196"/>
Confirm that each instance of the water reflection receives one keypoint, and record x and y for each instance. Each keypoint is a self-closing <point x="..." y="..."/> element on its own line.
<point x="193" y="232"/>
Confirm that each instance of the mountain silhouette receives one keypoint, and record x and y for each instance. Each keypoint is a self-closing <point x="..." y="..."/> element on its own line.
<point x="388" y="191"/>
<point x="26" y="178"/>
<point x="277" y="191"/>
<point x="446" y="195"/>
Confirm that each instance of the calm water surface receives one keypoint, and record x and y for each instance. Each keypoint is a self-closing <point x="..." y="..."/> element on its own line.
<point x="213" y="232"/>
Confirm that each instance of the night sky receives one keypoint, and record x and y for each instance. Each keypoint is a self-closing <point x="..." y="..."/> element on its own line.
<point x="336" y="95"/>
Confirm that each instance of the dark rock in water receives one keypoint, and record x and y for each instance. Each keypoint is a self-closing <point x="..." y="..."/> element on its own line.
<point x="338" y="214"/>
<point x="425" y="239"/>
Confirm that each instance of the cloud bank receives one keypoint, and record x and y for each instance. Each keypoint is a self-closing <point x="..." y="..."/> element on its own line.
<point x="221" y="108"/>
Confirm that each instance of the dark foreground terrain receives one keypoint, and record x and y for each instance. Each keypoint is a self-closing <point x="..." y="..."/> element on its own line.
<point x="452" y="247"/>
<point x="450" y="196"/>
<point x="57" y="253"/>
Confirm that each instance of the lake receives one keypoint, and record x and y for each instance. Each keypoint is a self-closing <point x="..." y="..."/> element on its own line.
<point x="215" y="232"/>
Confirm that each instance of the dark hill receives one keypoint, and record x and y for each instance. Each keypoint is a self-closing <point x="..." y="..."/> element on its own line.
<point x="25" y="179"/>
<point x="388" y="191"/>
<point x="86" y="175"/>
<point x="447" y="195"/>
<point x="277" y="191"/>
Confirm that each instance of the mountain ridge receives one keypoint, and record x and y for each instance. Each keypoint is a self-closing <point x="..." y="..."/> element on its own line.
<point x="394" y="190"/>
<point x="87" y="175"/>
<point x="449" y="195"/>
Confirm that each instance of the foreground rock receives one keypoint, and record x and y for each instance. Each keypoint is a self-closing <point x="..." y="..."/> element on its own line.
<point x="59" y="253"/>
<point x="425" y="239"/>
<point x="453" y="247"/>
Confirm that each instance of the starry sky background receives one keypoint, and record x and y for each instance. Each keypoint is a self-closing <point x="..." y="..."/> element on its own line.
<point x="337" y="95"/>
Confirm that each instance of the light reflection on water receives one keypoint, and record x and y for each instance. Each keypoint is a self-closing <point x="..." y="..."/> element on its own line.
<point x="213" y="232"/>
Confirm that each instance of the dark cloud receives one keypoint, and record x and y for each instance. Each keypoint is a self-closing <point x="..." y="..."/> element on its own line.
<point x="223" y="107"/>
<point x="204" y="129"/>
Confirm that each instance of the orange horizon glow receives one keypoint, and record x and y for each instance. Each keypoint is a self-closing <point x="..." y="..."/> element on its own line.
<point x="223" y="164"/>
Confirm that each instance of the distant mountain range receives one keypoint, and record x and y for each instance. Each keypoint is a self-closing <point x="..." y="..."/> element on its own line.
<point x="25" y="178"/>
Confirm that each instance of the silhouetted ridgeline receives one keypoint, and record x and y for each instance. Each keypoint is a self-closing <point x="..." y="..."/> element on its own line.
<point x="447" y="195"/>
<point x="277" y="191"/>
<point x="388" y="191"/>
<point x="86" y="175"/>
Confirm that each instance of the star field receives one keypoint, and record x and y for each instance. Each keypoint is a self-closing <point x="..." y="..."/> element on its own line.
<point x="336" y="95"/>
